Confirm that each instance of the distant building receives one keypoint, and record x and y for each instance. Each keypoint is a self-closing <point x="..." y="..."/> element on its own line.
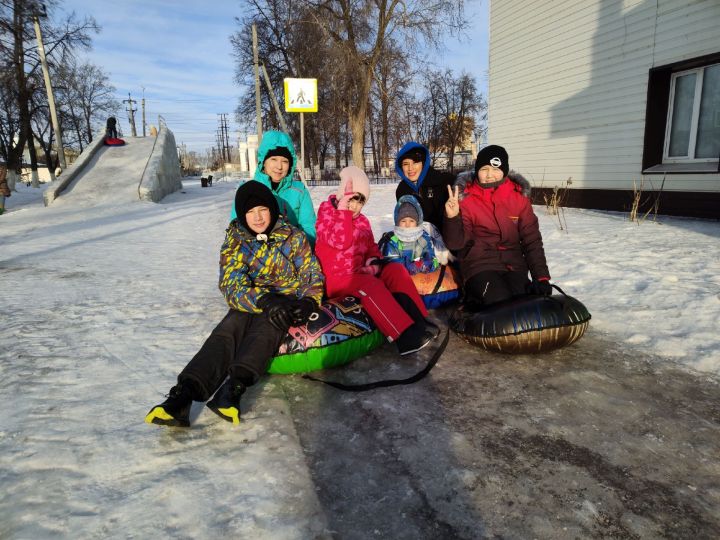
<point x="612" y="94"/>
<point x="247" y="153"/>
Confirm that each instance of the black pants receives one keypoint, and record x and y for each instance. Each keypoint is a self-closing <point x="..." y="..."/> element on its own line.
<point x="489" y="287"/>
<point x="241" y="343"/>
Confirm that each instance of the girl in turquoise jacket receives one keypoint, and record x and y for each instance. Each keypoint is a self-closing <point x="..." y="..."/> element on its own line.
<point x="276" y="165"/>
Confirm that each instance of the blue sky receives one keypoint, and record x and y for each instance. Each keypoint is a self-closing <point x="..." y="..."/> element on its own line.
<point x="180" y="52"/>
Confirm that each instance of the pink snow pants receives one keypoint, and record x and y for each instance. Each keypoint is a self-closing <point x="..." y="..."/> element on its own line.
<point x="375" y="294"/>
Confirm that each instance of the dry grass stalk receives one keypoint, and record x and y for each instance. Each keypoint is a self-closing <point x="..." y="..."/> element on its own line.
<point x="556" y="202"/>
<point x="639" y="202"/>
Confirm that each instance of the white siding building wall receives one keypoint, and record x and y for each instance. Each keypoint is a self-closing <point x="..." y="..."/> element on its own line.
<point x="569" y="80"/>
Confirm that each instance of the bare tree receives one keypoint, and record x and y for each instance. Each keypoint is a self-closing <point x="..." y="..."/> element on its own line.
<point x="9" y="116"/>
<point x="456" y="103"/>
<point x="351" y="47"/>
<point x="393" y="77"/>
<point x="22" y="65"/>
<point x="87" y="97"/>
<point x="274" y="22"/>
<point x="443" y="114"/>
<point x="291" y="45"/>
<point x="417" y="120"/>
<point x="360" y="32"/>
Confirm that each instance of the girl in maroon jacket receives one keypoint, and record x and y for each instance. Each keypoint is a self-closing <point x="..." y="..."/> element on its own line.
<point x="353" y="265"/>
<point x="496" y="233"/>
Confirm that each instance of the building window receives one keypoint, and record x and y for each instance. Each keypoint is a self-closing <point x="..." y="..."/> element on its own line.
<point x="694" y="117"/>
<point x="682" y="124"/>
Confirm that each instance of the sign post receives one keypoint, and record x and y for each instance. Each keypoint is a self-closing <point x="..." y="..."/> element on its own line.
<point x="301" y="96"/>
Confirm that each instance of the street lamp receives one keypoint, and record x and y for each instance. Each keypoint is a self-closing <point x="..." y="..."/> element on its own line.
<point x="38" y="10"/>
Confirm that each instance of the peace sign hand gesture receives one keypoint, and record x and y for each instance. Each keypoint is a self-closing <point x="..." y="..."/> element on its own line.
<point x="452" y="206"/>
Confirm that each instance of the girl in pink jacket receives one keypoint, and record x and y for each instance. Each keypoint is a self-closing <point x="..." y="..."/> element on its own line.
<point x="353" y="265"/>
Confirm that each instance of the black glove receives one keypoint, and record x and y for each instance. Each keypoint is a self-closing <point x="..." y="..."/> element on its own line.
<point x="277" y="308"/>
<point x="301" y="309"/>
<point x="539" y="288"/>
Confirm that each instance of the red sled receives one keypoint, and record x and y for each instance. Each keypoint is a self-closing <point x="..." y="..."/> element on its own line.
<point x="112" y="141"/>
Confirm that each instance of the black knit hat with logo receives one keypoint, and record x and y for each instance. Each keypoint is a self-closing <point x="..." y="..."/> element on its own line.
<point x="495" y="156"/>
<point x="250" y="195"/>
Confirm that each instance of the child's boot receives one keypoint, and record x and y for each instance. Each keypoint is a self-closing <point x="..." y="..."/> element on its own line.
<point x="416" y="337"/>
<point x="415" y="314"/>
<point x="175" y="410"/>
<point x="226" y="401"/>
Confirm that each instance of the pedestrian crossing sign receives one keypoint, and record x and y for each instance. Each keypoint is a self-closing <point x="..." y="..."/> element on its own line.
<point x="301" y="95"/>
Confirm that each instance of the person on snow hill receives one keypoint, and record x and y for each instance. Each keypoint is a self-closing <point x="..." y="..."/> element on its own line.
<point x="352" y="264"/>
<point x="276" y="165"/>
<point x="496" y="233"/>
<point x="418" y="178"/>
<point x="415" y="243"/>
<point x="271" y="280"/>
<point x="111" y="128"/>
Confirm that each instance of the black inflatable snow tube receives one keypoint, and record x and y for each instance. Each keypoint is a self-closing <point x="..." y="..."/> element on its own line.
<point x="524" y="325"/>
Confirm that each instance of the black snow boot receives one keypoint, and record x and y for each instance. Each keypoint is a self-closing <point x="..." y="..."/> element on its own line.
<point x="421" y="322"/>
<point x="414" y="338"/>
<point x="226" y="401"/>
<point x="175" y="410"/>
<point x="433" y="328"/>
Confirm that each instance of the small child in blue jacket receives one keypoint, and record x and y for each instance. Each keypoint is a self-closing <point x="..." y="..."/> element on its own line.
<point x="415" y="243"/>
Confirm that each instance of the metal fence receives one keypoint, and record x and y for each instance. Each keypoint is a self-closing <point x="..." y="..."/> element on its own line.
<point x="335" y="180"/>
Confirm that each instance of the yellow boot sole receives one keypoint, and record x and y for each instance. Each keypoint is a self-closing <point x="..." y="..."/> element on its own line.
<point x="230" y="414"/>
<point x="159" y="416"/>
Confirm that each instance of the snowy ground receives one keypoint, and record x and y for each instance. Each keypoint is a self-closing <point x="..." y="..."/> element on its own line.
<point x="103" y="305"/>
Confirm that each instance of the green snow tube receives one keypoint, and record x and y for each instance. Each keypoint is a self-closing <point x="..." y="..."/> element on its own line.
<point x="336" y="334"/>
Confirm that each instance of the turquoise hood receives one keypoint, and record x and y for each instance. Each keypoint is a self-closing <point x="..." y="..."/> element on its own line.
<point x="292" y="195"/>
<point x="270" y="140"/>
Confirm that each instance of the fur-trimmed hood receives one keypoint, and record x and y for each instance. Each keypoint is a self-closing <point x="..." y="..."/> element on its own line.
<point x="521" y="181"/>
<point x="467" y="177"/>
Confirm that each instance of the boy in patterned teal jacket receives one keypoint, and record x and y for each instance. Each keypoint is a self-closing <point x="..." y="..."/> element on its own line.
<point x="271" y="280"/>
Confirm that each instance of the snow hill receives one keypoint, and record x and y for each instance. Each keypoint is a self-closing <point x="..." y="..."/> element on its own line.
<point x="112" y="175"/>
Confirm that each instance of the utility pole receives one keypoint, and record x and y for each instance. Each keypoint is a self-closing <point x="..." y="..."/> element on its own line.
<point x="131" y="113"/>
<point x="143" y="110"/>
<point x="258" y="111"/>
<point x="223" y="141"/>
<point x="218" y="140"/>
<point x="275" y="103"/>
<point x="218" y="143"/>
<point x="39" y="11"/>
<point x="227" y="140"/>
<point x="221" y="137"/>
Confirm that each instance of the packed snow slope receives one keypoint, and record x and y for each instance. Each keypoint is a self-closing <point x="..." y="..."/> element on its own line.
<point x="104" y="300"/>
<point x="113" y="175"/>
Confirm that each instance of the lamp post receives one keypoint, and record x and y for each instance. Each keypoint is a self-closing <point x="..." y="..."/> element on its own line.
<point x="38" y="10"/>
